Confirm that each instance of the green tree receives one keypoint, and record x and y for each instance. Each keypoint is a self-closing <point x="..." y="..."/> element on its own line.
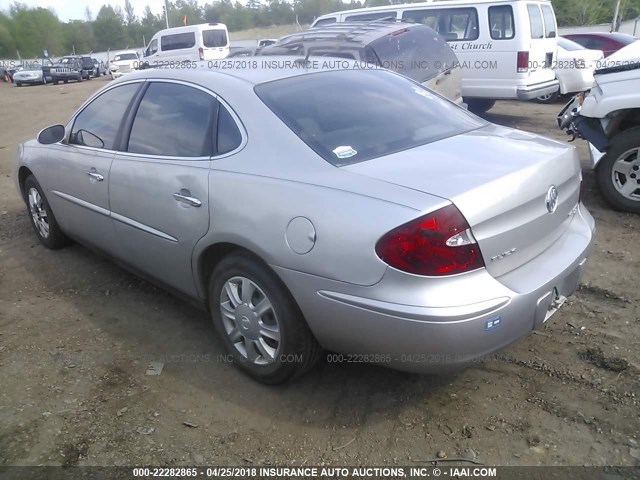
<point x="109" y="29"/>
<point x="34" y="29"/>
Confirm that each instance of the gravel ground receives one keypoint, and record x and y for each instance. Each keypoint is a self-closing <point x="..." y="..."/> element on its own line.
<point x="77" y="333"/>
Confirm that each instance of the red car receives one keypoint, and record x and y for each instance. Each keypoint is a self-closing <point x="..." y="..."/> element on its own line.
<point x="607" y="42"/>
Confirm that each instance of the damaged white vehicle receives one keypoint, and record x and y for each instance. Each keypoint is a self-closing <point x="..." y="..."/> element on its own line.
<point x="608" y="117"/>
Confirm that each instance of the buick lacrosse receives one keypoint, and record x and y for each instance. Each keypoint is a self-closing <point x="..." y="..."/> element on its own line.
<point x="349" y="210"/>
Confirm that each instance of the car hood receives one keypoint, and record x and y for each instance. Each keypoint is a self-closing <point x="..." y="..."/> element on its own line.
<point x="124" y="62"/>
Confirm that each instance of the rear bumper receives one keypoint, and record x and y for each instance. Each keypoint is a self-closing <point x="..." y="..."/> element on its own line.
<point x="530" y="92"/>
<point x="430" y="325"/>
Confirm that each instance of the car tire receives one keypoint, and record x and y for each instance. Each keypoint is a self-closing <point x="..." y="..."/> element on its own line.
<point x="272" y="346"/>
<point x="479" y="105"/>
<point x="43" y="221"/>
<point x="618" y="172"/>
<point x="66" y="81"/>
<point x="550" y="98"/>
<point x="54" y="81"/>
<point x="18" y="84"/>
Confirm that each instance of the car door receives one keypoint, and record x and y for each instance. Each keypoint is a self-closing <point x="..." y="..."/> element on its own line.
<point x="78" y="168"/>
<point x="158" y="186"/>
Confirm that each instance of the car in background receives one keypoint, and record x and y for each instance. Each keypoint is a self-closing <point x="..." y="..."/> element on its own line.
<point x="574" y="69"/>
<point x="608" y="117"/>
<point x="396" y="227"/>
<point x="68" y="68"/>
<point x="265" y="42"/>
<point x="205" y="41"/>
<point x="123" y="63"/>
<point x="99" y="67"/>
<point x="32" y="73"/>
<point x="411" y="49"/>
<point x="607" y="42"/>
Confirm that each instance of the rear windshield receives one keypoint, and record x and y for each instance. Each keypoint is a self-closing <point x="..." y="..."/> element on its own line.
<point x="350" y="116"/>
<point x="569" y="44"/>
<point x="419" y="53"/>
<point x="549" y="21"/>
<point x="214" y="38"/>
<point x="535" y="21"/>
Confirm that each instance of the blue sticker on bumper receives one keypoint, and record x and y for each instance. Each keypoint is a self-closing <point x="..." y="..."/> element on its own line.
<point x="493" y="323"/>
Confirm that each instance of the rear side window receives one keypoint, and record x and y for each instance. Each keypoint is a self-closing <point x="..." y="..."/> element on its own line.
<point x="178" y="41"/>
<point x="501" y="22"/>
<point x="229" y="137"/>
<point x="214" y="38"/>
<point x="535" y="21"/>
<point x="173" y="120"/>
<point x="549" y="21"/>
<point x="350" y="116"/>
<point x="452" y="23"/>
<point x="364" y="17"/>
<point x="98" y="123"/>
<point x="416" y="52"/>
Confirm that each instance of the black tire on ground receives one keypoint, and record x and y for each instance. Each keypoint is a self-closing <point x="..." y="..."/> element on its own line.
<point x="479" y="105"/>
<point x="298" y="350"/>
<point x="66" y="81"/>
<point x="56" y="238"/>
<point x="619" y="145"/>
<point x="18" y="84"/>
<point x="54" y="81"/>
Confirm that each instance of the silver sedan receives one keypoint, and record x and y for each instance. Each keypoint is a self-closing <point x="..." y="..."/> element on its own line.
<point x="310" y="207"/>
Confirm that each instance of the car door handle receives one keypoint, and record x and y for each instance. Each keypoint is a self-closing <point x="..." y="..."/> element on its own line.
<point x="186" y="198"/>
<point x="95" y="176"/>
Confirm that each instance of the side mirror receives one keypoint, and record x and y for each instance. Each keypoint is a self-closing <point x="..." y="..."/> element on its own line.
<point x="50" y="135"/>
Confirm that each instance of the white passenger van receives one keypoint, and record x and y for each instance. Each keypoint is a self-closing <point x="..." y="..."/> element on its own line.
<point x="206" y="41"/>
<point x="507" y="48"/>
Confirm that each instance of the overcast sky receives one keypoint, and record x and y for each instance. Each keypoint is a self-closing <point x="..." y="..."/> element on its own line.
<point x="74" y="9"/>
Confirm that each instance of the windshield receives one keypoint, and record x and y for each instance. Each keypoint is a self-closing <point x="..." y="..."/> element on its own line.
<point x="350" y="116"/>
<point x="125" y="56"/>
<point x="214" y="38"/>
<point x="569" y="44"/>
<point x="66" y="60"/>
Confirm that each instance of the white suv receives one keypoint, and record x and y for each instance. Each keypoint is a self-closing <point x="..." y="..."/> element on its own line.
<point x="124" y="62"/>
<point x="608" y="117"/>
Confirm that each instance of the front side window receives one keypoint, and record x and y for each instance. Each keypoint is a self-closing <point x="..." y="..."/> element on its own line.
<point x="549" y="21"/>
<point x="152" y="48"/>
<point x="98" y="123"/>
<point x="535" y="21"/>
<point x="349" y="116"/>
<point x="173" y="120"/>
<point x="501" y="22"/>
<point x="325" y="21"/>
<point x="178" y="41"/>
<point x="452" y="23"/>
<point x="214" y="38"/>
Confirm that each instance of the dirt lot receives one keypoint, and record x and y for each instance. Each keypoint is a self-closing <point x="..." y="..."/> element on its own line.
<point x="77" y="333"/>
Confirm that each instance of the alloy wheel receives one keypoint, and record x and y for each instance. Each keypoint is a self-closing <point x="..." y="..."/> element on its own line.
<point x="38" y="213"/>
<point x="625" y="174"/>
<point x="250" y="320"/>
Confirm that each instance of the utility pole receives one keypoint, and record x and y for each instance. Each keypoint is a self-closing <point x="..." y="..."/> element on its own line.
<point x="614" y="24"/>
<point x="166" y="12"/>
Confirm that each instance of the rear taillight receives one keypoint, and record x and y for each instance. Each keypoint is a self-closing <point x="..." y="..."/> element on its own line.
<point x="439" y="243"/>
<point x="201" y="52"/>
<point x="523" y="62"/>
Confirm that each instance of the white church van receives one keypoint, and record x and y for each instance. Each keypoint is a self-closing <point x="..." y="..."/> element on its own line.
<point x="506" y="48"/>
<point x="205" y="41"/>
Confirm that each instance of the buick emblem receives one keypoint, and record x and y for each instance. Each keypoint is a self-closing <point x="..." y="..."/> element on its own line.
<point x="552" y="199"/>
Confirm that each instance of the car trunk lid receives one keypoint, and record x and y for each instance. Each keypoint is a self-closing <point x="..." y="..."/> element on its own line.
<point x="499" y="179"/>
